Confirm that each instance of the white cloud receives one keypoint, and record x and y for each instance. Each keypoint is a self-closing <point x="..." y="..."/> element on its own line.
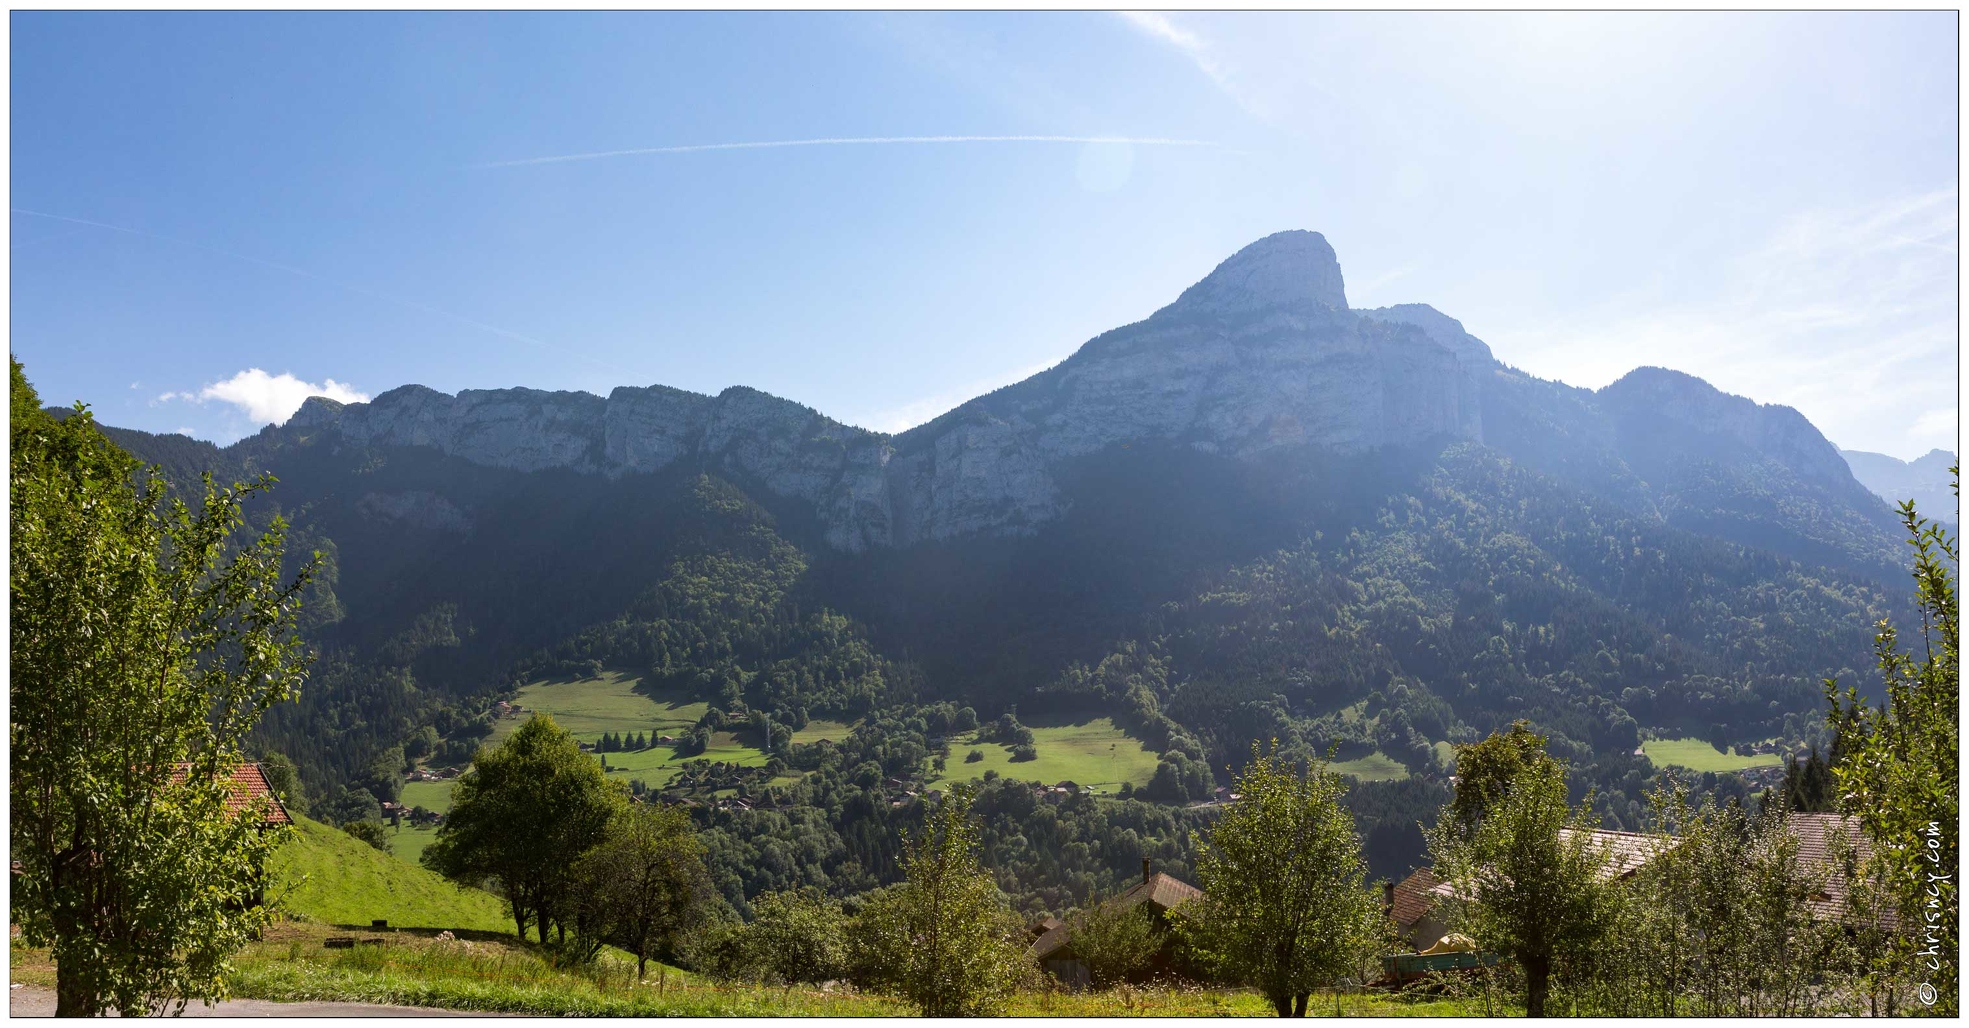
<point x="1847" y="315"/>
<point x="272" y="398"/>
<point x="1157" y="25"/>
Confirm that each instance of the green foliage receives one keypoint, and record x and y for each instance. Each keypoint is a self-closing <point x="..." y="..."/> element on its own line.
<point x="1717" y="924"/>
<point x="523" y="816"/>
<point x="1534" y="880"/>
<point x="797" y="937"/>
<point x="643" y="884"/>
<point x="145" y="642"/>
<point x="1486" y="771"/>
<point x="1285" y="908"/>
<point x="1115" y="942"/>
<point x="370" y="832"/>
<point x="1900" y="761"/>
<point x="943" y="939"/>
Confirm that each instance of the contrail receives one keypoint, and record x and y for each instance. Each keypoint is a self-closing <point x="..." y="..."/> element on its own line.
<point x="304" y="273"/>
<point x="848" y="141"/>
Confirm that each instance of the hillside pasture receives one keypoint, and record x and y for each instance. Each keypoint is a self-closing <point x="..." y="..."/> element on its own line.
<point x="328" y="876"/>
<point x="614" y="701"/>
<point x="1375" y="767"/>
<point x="1699" y="755"/>
<point x="1093" y="753"/>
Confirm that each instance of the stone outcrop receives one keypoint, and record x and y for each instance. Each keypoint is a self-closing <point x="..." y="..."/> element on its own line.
<point x="1261" y="354"/>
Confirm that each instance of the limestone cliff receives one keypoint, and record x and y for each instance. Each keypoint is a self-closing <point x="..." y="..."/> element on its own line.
<point x="1262" y="354"/>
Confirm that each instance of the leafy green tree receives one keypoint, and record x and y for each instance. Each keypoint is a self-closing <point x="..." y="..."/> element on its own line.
<point x="943" y="939"/>
<point x="1532" y="891"/>
<point x="145" y="642"/>
<point x="1115" y="942"/>
<point x="797" y="937"/>
<point x="1486" y="770"/>
<point x="369" y="832"/>
<point x="523" y="816"/>
<point x="1899" y="763"/>
<point x="645" y="882"/>
<point x="1285" y="906"/>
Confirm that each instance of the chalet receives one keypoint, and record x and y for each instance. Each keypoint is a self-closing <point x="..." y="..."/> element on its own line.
<point x="247" y="785"/>
<point x="1052" y="949"/>
<point x="1418" y="904"/>
<point x="1821" y="839"/>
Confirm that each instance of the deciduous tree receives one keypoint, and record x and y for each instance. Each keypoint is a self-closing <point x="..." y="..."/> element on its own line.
<point x="1530" y="891"/>
<point x="146" y="641"/>
<point x="523" y="816"/>
<point x="1285" y="908"/>
<point x="943" y="939"/>
<point x="1899" y="764"/>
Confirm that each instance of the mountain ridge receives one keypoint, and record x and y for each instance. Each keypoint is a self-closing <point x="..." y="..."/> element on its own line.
<point x="1260" y="354"/>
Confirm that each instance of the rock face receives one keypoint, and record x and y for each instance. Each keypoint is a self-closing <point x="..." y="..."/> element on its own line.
<point x="1261" y="354"/>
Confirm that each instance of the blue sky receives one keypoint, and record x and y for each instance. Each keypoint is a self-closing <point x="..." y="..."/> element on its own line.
<point x="1768" y="201"/>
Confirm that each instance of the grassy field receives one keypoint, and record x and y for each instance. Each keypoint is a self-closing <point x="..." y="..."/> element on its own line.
<point x="1697" y="755"/>
<point x="1093" y="753"/>
<point x="816" y="731"/>
<point x="614" y="702"/>
<point x="328" y="876"/>
<point x="429" y="795"/>
<point x="1375" y="767"/>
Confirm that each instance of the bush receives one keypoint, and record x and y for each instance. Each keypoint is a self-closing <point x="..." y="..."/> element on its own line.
<point x="974" y="756"/>
<point x="1024" y="751"/>
<point x="369" y="832"/>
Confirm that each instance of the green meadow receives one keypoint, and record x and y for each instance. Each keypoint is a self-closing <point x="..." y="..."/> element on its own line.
<point x="328" y="876"/>
<point x="619" y="702"/>
<point x="1697" y="755"/>
<point x="1375" y="767"/>
<point x="1093" y="753"/>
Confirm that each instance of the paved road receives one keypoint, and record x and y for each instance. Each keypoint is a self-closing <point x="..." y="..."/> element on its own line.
<point x="28" y="1002"/>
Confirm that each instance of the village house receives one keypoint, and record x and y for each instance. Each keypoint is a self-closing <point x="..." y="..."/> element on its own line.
<point x="1052" y="948"/>
<point x="1418" y="905"/>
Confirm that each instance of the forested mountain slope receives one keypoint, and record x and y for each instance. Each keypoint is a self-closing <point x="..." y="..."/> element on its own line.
<point x="1255" y="515"/>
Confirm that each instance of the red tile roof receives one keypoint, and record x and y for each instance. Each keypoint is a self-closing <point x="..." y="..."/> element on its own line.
<point x="1160" y="891"/>
<point x="1414" y="896"/>
<point x="248" y="784"/>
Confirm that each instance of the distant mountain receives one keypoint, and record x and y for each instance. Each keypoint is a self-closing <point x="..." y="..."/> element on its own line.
<point x="1256" y="514"/>
<point x="1925" y="480"/>
<point x="1262" y="355"/>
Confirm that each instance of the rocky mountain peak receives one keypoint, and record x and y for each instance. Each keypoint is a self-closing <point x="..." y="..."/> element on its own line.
<point x="1283" y="268"/>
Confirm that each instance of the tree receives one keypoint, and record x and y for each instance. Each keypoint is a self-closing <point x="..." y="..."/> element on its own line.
<point x="523" y="816"/>
<point x="1531" y="891"/>
<point x="1898" y="763"/>
<point x="943" y="939"/>
<point x="797" y="936"/>
<point x="146" y="641"/>
<point x="1285" y="906"/>
<point x="645" y="882"/>
<point x="369" y="832"/>
<point x="1486" y="770"/>
<point x="1115" y="942"/>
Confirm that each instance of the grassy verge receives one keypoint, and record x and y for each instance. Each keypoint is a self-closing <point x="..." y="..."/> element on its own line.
<point x="497" y="975"/>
